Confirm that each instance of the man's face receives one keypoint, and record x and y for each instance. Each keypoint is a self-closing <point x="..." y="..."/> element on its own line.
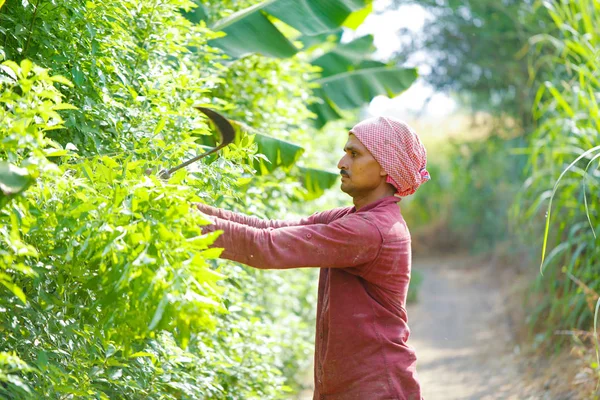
<point x="361" y="173"/>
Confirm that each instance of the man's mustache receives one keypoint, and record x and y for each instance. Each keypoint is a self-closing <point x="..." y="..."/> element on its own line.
<point x="343" y="172"/>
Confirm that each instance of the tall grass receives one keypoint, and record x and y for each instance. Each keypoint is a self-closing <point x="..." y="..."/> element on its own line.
<point x="563" y="167"/>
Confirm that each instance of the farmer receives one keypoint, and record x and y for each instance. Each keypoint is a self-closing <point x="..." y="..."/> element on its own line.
<point x="364" y="253"/>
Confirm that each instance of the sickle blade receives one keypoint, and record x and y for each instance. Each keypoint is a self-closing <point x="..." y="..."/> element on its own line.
<point x="227" y="136"/>
<point x="222" y="124"/>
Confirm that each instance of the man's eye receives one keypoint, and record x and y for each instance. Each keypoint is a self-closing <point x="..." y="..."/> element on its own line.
<point x="353" y="154"/>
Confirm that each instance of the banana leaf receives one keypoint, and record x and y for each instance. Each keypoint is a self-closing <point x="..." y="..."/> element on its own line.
<point x="251" y="30"/>
<point x="310" y="41"/>
<point x="314" y="17"/>
<point x="343" y="57"/>
<point x="323" y="108"/>
<point x="352" y="89"/>
<point x="355" y="19"/>
<point x="316" y="181"/>
<point x="349" y="79"/>
<point x="280" y="153"/>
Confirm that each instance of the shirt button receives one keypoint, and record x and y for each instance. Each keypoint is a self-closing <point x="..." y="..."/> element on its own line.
<point x="308" y="235"/>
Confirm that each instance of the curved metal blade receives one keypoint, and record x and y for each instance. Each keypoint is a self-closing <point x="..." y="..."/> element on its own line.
<point x="227" y="136"/>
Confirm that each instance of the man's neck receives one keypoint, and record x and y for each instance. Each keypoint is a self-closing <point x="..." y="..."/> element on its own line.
<point x="363" y="200"/>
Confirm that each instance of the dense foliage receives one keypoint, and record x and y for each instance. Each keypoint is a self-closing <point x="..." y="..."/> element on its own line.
<point x="108" y="288"/>
<point x="563" y="167"/>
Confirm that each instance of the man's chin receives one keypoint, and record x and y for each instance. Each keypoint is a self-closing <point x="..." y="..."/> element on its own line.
<point x="344" y="188"/>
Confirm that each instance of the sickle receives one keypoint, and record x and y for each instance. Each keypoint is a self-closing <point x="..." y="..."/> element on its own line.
<point x="227" y="136"/>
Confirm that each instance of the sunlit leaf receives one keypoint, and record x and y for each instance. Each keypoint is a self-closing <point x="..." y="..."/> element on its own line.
<point x="158" y="314"/>
<point x="13" y="180"/>
<point x="14" y="289"/>
<point x="316" y="181"/>
<point x="279" y="152"/>
<point x="251" y="31"/>
<point x="548" y="215"/>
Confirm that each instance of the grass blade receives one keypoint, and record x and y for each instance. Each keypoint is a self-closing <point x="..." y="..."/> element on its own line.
<point x="587" y="211"/>
<point x="596" y="340"/>
<point x="547" y="229"/>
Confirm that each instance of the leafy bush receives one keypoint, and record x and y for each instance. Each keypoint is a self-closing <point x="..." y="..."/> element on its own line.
<point x="563" y="166"/>
<point x="109" y="290"/>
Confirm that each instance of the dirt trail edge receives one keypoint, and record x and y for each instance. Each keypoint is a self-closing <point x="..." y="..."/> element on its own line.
<point x="461" y="333"/>
<point x="461" y="330"/>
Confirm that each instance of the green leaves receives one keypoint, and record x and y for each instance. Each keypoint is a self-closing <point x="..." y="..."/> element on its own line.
<point x="13" y="180"/>
<point x="313" y="17"/>
<point x="563" y="170"/>
<point x="597" y="341"/>
<point x="276" y="153"/>
<point x="345" y="55"/>
<point x="12" y="287"/>
<point x="317" y="181"/>
<point x="586" y="153"/>
<point x="284" y="154"/>
<point x="252" y="31"/>
<point x="349" y="90"/>
<point x="112" y="288"/>
<point x="12" y="369"/>
<point x="350" y="79"/>
<point x="280" y="153"/>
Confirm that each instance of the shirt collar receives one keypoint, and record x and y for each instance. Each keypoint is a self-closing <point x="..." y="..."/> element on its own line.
<point x="381" y="202"/>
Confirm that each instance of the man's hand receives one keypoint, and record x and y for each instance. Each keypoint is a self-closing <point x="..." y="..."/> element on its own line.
<point x="197" y="207"/>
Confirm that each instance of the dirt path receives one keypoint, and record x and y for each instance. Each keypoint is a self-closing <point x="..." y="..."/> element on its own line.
<point x="461" y="333"/>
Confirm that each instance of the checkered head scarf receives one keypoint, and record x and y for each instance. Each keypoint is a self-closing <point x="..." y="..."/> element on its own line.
<point x="398" y="150"/>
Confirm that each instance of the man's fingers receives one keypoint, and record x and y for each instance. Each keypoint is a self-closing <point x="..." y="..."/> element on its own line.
<point x="196" y="207"/>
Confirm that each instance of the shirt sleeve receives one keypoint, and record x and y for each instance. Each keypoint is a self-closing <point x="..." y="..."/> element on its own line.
<point x="320" y="217"/>
<point x="346" y="242"/>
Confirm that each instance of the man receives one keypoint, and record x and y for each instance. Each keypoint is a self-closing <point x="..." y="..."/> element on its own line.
<point x="364" y="253"/>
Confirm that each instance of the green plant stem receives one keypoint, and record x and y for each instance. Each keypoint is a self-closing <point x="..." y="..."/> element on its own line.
<point x="145" y="37"/>
<point x="31" y="27"/>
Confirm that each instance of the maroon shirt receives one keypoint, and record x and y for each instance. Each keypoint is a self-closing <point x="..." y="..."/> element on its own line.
<point x="365" y="257"/>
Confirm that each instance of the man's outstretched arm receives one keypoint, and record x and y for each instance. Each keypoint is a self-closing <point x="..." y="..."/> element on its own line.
<point x="255" y="222"/>
<point x="346" y="242"/>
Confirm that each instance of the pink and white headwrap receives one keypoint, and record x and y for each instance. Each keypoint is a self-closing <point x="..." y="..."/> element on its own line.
<point x="398" y="150"/>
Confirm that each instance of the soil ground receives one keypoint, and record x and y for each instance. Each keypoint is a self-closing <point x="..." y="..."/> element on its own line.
<point x="462" y="335"/>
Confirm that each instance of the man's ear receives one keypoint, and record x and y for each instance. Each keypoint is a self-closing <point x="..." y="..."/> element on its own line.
<point x="382" y="172"/>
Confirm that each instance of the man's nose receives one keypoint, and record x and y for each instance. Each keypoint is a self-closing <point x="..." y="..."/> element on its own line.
<point x="342" y="163"/>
